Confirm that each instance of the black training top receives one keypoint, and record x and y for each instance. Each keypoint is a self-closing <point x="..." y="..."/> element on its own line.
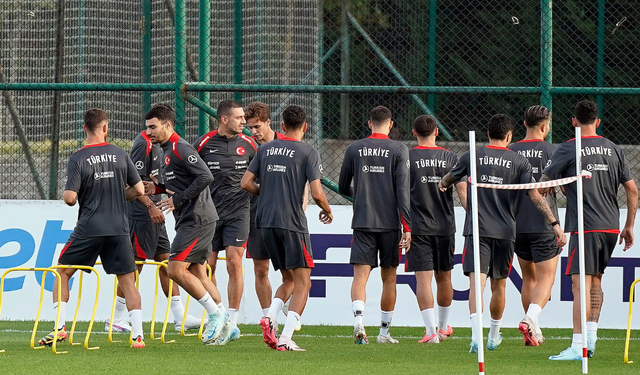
<point x="147" y="158"/>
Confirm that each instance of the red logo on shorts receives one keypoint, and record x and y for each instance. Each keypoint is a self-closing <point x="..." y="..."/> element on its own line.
<point x="240" y="151"/>
<point x="167" y="160"/>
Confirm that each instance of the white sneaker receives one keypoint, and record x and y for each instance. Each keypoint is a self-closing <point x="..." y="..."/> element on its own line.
<point x="229" y="333"/>
<point x="118" y="326"/>
<point x="359" y="335"/>
<point x="285" y="344"/>
<point x="386" y="339"/>
<point x="214" y="326"/>
<point x="191" y="322"/>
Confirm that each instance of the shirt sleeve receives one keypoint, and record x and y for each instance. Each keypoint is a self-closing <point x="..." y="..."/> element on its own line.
<point x="558" y="164"/>
<point x="346" y="174"/>
<point x="461" y="169"/>
<point x="133" y="175"/>
<point x="138" y="156"/>
<point x="195" y="166"/>
<point x="73" y="175"/>
<point x="526" y="172"/>
<point x="254" y="165"/>
<point x="625" y="173"/>
<point x="313" y="167"/>
<point x="402" y="187"/>
<point x="196" y="144"/>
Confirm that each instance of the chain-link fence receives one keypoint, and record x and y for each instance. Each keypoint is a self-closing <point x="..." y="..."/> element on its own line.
<point x="461" y="61"/>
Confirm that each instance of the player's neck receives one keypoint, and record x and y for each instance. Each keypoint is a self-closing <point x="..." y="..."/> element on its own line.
<point x="381" y="130"/>
<point x="503" y="143"/>
<point x="294" y="134"/>
<point x="533" y="133"/>
<point x="95" y="139"/>
<point x="224" y="131"/>
<point x="169" y="135"/>
<point x="268" y="137"/>
<point x="427" y="141"/>
<point x="588" y="130"/>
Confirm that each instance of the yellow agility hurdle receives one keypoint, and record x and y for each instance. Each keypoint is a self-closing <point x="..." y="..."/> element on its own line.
<point x="95" y="305"/>
<point x="204" y="313"/>
<point x="35" y="325"/>
<point x="626" y="342"/>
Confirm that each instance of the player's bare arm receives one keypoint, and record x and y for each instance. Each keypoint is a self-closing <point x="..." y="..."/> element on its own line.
<point x="405" y="241"/>
<point x="541" y="204"/>
<point x="133" y="192"/>
<point x="326" y="217"/>
<point x="305" y="197"/>
<point x="632" y="205"/>
<point x="70" y="197"/>
<point x="461" y="188"/>
<point x="446" y="182"/>
<point x="248" y="183"/>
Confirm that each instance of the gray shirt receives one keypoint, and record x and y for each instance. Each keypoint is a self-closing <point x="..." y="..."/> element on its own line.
<point x="431" y="210"/>
<point x="609" y="169"/>
<point x="379" y="168"/>
<point x="496" y="208"/>
<point x="283" y="167"/>
<point x="99" y="174"/>
<point x="147" y="158"/>
<point x="528" y="218"/>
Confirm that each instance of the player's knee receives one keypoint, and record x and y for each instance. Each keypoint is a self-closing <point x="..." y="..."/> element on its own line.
<point x="261" y="273"/>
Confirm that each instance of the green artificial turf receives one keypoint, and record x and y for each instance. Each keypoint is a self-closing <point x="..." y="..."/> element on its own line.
<point x="330" y="349"/>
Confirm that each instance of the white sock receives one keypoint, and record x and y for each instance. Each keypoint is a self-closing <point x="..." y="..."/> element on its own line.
<point x="265" y="311"/>
<point x="576" y="342"/>
<point x="357" y="307"/>
<point x="385" y="322"/>
<point x="135" y="317"/>
<point x="534" y="311"/>
<point x="494" y="331"/>
<point x="63" y="313"/>
<point x="177" y="309"/>
<point x="209" y="304"/>
<point x="592" y="327"/>
<point x="429" y="318"/>
<point x="221" y="306"/>
<point x="121" y="308"/>
<point x="292" y="320"/>
<point x="474" y="327"/>
<point x="443" y="317"/>
<point x="275" y="308"/>
<point x="233" y="315"/>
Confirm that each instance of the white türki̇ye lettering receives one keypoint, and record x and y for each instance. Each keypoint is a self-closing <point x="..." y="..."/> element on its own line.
<point x="499" y="162"/>
<point x="282" y="151"/>
<point x="378" y="151"/>
<point x="104" y="158"/>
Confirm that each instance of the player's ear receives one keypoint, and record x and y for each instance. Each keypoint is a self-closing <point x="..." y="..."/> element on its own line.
<point x="304" y="127"/>
<point x="597" y="123"/>
<point x="574" y="122"/>
<point x="436" y="132"/>
<point x="268" y="122"/>
<point x="370" y="126"/>
<point x="283" y="127"/>
<point x="390" y="125"/>
<point x="413" y="131"/>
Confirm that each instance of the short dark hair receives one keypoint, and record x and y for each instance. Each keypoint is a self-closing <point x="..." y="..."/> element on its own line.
<point x="225" y="107"/>
<point x="379" y="115"/>
<point x="535" y="115"/>
<point x="499" y="126"/>
<point x="424" y="125"/>
<point x="293" y="117"/>
<point x="94" y="117"/>
<point x="257" y="110"/>
<point x="162" y="112"/>
<point x="586" y="112"/>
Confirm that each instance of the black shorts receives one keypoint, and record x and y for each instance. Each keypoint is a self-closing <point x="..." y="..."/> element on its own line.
<point x="288" y="249"/>
<point x="256" y="247"/>
<point x="365" y="247"/>
<point x="496" y="256"/>
<point x="192" y="244"/>
<point x="148" y="239"/>
<point x="598" y="247"/>
<point x="430" y="253"/>
<point x="537" y="247"/>
<point x="114" y="251"/>
<point x="231" y="232"/>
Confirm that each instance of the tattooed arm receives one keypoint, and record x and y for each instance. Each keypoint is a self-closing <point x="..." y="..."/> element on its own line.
<point x="542" y="206"/>
<point x="446" y="182"/>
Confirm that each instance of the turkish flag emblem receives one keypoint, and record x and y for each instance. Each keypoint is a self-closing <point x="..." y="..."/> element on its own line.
<point x="167" y="160"/>
<point x="240" y="151"/>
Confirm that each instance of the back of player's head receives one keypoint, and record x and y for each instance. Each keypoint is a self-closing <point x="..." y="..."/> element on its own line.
<point x="162" y="112"/>
<point x="586" y="112"/>
<point x="226" y="106"/>
<point x="499" y="126"/>
<point x="93" y="118"/>
<point x="380" y="115"/>
<point x="536" y="115"/>
<point x="257" y="110"/>
<point x="424" y="125"/>
<point x="294" y="117"/>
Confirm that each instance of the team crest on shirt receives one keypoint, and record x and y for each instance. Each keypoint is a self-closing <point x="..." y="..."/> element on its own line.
<point x="167" y="160"/>
<point x="139" y="164"/>
<point x="240" y="150"/>
<point x="192" y="159"/>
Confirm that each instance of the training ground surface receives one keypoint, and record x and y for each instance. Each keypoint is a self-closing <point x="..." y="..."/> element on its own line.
<point x="330" y="349"/>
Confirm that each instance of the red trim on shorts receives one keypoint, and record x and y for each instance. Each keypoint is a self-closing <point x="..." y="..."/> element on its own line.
<point x="573" y="252"/>
<point x="185" y="253"/>
<point x="510" y="266"/>
<point x="205" y="139"/>
<point x="174" y="144"/>
<point x="64" y="249"/>
<point x="464" y="251"/>
<point x="307" y="257"/>
<point x="249" y="141"/>
<point x="616" y="231"/>
<point x="139" y="252"/>
<point x="405" y="226"/>
<point x="96" y="145"/>
<point x="497" y="148"/>
<point x="378" y="136"/>
<point x="245" y="244"/>
<point x="149" y="143"/>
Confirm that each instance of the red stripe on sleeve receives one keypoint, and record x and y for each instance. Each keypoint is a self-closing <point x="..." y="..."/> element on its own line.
<point x="205" y="139"/>
<point x="249" y="141"/>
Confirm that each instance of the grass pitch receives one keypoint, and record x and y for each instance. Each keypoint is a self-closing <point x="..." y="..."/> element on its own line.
<point x="330" y="349"/>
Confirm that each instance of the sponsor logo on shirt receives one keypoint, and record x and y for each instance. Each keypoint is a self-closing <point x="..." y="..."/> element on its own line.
<point x="240" y="150"/>
<point x="106" y="174"/>
<point x="276" y="168"/>
<point x="214" y="150"/>
<point x="373" y="168"/>
<point x="167" y="160"/>
<point x="192" y="159"/>
<point x="598" y="167"/>
<point x="139" y="164"/>
<point x="430" y="179"/>
<point x="491" y="179"/>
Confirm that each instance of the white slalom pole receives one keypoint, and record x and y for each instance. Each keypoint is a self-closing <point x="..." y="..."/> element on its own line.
<point x="580" y="209"/>
<point x="475" y="232"/>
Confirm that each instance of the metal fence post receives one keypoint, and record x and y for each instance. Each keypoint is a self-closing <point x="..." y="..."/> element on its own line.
<point x="237" y="46"/>
<point x="180" y="65"/>
<point x="546" y="57"/>
<point x="344" y="71"/>
<point x="204" y="60"/>
<point x="600" y="66"/>
<point x="146" y="53"/>
<point x="55" y="124"/>
<point x="431" y="99"/>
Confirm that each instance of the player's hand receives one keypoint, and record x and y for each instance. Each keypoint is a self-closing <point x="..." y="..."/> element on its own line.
<point x="326" y="217"/>
<point x="149" y="188"/>
<point x="156" y="216"/>
<point x="166" y="205"/>
<point x="627" y="236"/>
<point x="405" y="242"/>
<point x="562" y="238"/>
<point x="441" y="187"/>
